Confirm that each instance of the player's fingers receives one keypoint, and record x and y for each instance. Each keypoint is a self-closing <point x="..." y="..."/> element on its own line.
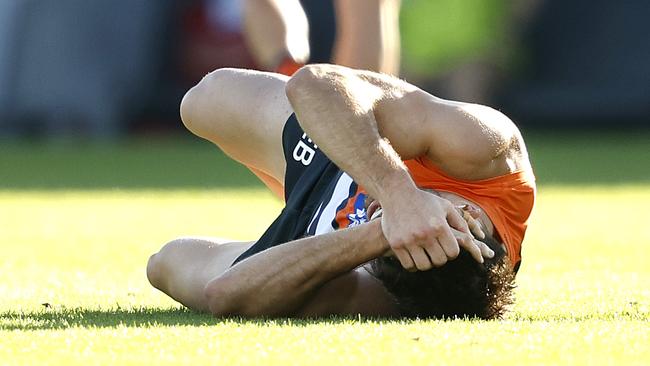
<point x="448" y="243"/>
<point x="455" y="220"/>
<point x="405" y="259"/>
<point x="420" y="258"/>
<point x="471" y="245"/>
<point x="474" y="226"/>
<point x="485" y="250"/>
<point x="436" y="254"/>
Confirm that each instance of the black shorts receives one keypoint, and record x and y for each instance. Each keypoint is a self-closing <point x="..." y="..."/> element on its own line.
<point x="308" y="176"/>
<point x="298" y="150"/>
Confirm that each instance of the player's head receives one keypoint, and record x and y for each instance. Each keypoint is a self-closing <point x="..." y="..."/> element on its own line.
<point x="460" y="288"/>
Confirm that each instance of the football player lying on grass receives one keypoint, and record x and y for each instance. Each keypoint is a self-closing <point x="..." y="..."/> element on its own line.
<point x="453" y="181"/>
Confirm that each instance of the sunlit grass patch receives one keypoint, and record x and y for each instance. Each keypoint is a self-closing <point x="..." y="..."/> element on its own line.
<point x="74" y="290"/>
<point x="78" y="223"/>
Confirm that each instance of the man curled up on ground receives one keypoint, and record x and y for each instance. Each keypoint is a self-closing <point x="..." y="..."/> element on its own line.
<point x="398" y="203"/>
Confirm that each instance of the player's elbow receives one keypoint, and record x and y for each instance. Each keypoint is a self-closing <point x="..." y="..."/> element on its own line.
<point x="299" y="83"/>
<point x="222" y="298"/>
<point x="225" y="298"/>
<point x="217" y="296"/>
<point x="306" y="82"/>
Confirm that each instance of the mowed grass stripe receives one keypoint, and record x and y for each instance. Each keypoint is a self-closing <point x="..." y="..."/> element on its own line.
<point x="582" y="296"/>
<point x="342" y="342"/>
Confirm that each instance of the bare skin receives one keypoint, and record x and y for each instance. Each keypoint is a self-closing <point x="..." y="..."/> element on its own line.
<point x="394" y="120"/>
<point x="183" y="267"/>
<point x="276" y="29"/>
<point x="244" y="112"/>
<point x="313" y="276"/>
<point x="367" y="33"/>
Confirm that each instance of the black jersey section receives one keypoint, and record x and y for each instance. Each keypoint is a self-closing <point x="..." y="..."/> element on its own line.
<point x="291" y="134"/>
<point x="305" y="187"/>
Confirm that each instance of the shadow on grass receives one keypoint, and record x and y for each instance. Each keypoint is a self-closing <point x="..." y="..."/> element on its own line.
<point x="63" y="318"/>
<point x="69" y="318"/>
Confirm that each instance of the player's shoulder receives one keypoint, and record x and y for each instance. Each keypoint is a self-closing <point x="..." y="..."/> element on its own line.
<point x="473" y="140"/>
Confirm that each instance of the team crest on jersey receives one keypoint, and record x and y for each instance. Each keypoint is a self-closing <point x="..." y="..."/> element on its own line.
<point x="358" y="216"/>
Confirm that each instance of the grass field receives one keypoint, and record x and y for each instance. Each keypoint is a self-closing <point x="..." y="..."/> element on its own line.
<point x="78" y="223"/>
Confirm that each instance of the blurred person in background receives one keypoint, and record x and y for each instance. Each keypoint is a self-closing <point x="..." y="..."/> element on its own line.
<point x="367" y="34"/>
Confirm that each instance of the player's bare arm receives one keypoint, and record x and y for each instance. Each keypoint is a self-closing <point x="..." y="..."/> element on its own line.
<point x="342" y="109"/>
<point x="279" y="281"/>
<point x="313" y="276"/>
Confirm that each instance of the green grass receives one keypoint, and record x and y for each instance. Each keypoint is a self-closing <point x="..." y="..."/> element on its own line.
<point x="436" y="35"/>
<point x="79" y="222"/>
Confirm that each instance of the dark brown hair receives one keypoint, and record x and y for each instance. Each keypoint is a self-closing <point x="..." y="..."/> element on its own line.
<point x="460" y="288"/>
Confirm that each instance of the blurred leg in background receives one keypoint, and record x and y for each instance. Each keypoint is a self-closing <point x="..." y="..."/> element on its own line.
<point x="277" y="33"/>
<point x="367" y="34"/>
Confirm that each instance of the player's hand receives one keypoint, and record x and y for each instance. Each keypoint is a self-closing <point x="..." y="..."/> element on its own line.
<point x="486" y="252"/>
<point x="418" y="226"/>
<point x="470" y="214"/>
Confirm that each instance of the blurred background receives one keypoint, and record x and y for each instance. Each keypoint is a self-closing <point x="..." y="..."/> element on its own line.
<point x="90" y="72"/>
<point x="110" y="68"/>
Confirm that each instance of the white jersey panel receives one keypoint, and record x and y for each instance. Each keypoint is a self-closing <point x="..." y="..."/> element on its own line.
<point x="341" y="193"/>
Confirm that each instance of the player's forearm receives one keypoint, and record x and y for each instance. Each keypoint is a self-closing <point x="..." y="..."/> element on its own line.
<point x="278" y="280"/>
<point x="336" y="109"/>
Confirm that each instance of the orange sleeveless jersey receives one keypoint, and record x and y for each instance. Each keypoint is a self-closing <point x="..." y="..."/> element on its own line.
<point x="508" y="199"/>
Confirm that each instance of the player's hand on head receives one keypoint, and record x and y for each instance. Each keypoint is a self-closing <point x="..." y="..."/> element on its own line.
<point x="478" y="249"/>
<point x="470" y="215"/>
<point x="426" y="231"/>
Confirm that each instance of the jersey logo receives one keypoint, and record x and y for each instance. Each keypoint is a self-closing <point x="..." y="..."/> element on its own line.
<point x="305" y="150"/>
<point x="359" y="216"/>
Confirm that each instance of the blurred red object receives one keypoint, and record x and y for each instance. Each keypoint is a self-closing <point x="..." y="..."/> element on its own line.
<point x="289" y="67"/>
<point x="210" y="40"/>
